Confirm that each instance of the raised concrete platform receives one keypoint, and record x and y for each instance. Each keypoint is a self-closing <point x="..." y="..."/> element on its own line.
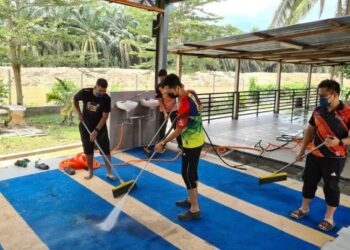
<point x="247" y="131"/>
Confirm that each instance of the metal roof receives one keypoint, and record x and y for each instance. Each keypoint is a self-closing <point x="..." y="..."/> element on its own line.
<point x="324" y="42"/>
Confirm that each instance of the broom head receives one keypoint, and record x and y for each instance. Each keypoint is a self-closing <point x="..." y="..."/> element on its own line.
<point x="272" y="178"/>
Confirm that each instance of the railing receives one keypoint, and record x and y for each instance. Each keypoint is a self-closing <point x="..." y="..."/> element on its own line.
<point x="217" y="105"/>
<point x="222" y="105"/>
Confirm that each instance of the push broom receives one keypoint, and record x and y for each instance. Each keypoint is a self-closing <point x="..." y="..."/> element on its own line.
<point x="282" y="176"/>
<point x="124" y="186"/>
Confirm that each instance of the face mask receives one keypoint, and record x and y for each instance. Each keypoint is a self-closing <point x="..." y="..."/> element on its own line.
<point x="172" y="95"/>
<point x="98" y="95"/>
<point x="324" y="102"/>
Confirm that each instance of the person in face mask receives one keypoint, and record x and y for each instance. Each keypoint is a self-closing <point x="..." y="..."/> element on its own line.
<point x="167" y="107"/>
<point x="329" y="123"/>
<point x="189" y="126"/>
<point x="96" y="109"/>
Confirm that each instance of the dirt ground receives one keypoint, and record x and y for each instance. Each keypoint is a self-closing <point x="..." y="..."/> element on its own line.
<point x="38" y="81"/>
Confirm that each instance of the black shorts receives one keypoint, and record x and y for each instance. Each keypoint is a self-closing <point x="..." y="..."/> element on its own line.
<point x="328" y="169"/>
<point x="102" y="139"/>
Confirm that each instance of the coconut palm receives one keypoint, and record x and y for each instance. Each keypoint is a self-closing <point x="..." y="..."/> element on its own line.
<point x="291" y="11"/>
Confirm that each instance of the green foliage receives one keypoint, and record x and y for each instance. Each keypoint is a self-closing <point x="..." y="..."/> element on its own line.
<point x="3" y="92"/>
<point x="345" y="94"/>
<point x="254" y="86"/>
<point x="51" y="124"/>
<point x="292" y="11"/>
<point x="62" y="93"/>
<point x="346" y="71"/>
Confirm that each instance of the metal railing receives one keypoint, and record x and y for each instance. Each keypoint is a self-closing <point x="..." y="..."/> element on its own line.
<point x="222" y="105"/>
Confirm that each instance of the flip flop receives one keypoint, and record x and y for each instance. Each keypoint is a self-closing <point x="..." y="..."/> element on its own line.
<point x="298" y="214"/>
<point x="69" y="171"/>
<point x="112" y="178"/>
<point x="21" y="163"/>
<point x="325" y="226"/>
<point x="42" y="166"/>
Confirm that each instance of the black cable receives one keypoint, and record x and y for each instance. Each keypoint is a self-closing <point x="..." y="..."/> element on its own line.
<point x="287" y="139"/>
<point x="217" y="153"/>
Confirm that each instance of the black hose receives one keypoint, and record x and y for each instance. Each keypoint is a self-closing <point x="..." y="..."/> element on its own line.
<point x="217" y="153"/>
<point x="287" y="139"/>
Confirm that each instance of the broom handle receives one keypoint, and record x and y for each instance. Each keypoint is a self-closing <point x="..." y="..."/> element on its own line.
<point x="159" y="129"/>
<point x="322" y="144"/>
<point x="103" y="154"/>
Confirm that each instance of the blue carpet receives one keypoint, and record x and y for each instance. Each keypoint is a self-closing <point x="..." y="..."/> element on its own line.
<point x="63" y="214"/>
<point x="220" y="225"/>
<point x="273" y="197"/>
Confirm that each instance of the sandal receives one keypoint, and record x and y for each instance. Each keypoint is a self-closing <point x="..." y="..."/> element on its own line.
<point x="112" y="178"/>
<point x="298" y="214"/>
<point x="22" y="163"/>
<point x="325" y="225"/>
<point x="188" y="216"/>
<point x="42" y="166"/>
<point x="69" y="171"/>
<point x="184" y="203"/>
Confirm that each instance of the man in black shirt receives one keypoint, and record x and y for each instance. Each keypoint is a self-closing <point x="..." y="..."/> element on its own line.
<point x="96" y="108"/>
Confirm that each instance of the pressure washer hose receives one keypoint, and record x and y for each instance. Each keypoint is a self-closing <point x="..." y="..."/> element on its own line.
<point x="153" y="159"/>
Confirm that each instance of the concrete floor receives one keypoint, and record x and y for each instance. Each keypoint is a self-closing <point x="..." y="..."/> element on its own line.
<point x="247" y="131"/>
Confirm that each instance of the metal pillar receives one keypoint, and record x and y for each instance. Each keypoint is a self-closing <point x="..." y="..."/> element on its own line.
<point x="162" y="38"/>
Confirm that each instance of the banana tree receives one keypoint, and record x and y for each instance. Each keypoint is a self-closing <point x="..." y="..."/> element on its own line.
<point x="62" y="93"/>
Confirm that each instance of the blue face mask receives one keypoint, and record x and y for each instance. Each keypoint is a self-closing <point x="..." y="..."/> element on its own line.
<point x="98" y="95"/>
<point x="324" y="102"/>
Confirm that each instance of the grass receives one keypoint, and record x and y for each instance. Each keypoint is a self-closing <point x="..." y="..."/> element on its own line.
<point x="56" y="135"/>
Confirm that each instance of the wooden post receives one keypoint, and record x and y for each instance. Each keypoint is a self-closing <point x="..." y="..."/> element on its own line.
<point x="179" y="66"/>
<point x="236" y="89"/>
<point x="278" y="87"/>
<point x="341" y="76"/>
<point x="332" y="72"/>
<point x="308" y="86"/>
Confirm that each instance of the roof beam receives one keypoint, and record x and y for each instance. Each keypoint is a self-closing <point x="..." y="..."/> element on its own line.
<point x="291" y="44"/>
<point x="137" y="5"/>
<point x="200" y="46"/>
<point x="334" y="23"/>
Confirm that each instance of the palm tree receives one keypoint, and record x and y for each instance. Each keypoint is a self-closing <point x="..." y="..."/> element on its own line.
<point x="62" y="93"/>
<point x="88" y="24"/>
<point x="124" y="30"/>
<point x="291" y="11"/>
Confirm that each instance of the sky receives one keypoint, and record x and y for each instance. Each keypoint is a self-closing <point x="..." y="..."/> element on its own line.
<point x="247" y="14"/>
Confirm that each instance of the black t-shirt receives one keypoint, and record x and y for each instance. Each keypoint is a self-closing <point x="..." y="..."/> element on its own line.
<point x="335" y="123"/>
<point x="94" y="106"/>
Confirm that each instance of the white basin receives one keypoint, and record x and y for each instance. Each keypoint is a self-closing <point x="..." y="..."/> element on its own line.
<point x="126" y="105"/>
<point x="150" y="103"/>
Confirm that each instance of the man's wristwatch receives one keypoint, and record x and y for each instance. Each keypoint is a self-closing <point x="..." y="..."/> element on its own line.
<point x="162" y="143"/>
<point x="341" y="143"/>
<point x="97" y="130"/>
